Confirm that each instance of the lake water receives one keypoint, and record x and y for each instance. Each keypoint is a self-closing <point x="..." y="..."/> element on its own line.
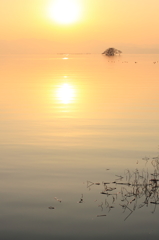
<point x="71" y="125"/>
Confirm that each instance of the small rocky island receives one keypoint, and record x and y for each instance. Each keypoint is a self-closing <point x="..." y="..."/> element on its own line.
<point x="111" y="52"/>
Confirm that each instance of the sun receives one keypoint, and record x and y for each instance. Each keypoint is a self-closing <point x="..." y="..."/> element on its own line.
<point x="65" y="11"/>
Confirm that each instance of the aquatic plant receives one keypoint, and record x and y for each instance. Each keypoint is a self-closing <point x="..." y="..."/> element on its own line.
<point x="134" y="190"/>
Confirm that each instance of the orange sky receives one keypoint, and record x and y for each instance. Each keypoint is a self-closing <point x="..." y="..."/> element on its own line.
<point x="28" y="27"/>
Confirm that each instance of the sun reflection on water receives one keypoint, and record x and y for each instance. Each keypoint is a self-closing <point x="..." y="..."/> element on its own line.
<point x="65" y="93"/>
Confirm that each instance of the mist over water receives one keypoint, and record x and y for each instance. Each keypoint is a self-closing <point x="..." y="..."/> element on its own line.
<point x="68" y="120"/>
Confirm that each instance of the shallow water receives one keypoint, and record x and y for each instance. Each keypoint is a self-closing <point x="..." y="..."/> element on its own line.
<point x="65" y="120"/>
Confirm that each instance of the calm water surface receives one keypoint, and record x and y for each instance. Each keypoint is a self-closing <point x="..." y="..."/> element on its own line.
<point x="69" y="123"/>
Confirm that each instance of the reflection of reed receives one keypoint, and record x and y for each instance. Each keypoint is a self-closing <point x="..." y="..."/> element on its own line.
<point x="59" y="200"/>
<point x="134" y="190"/>
<point x="81" y="199"/>
<point x="138" y="189"/>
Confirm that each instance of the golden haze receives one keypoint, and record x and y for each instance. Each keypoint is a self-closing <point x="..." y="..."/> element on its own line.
<point x="27" y="27"/>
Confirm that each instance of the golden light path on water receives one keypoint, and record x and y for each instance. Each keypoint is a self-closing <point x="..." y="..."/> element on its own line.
<point x="65" y="93"/>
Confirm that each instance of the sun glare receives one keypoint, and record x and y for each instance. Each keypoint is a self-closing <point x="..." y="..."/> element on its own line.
<point x="65" y="11"/>
<point x="65" y="93"/>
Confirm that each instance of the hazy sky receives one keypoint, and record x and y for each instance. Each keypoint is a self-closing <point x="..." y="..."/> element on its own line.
<point x="76" y="26"/>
